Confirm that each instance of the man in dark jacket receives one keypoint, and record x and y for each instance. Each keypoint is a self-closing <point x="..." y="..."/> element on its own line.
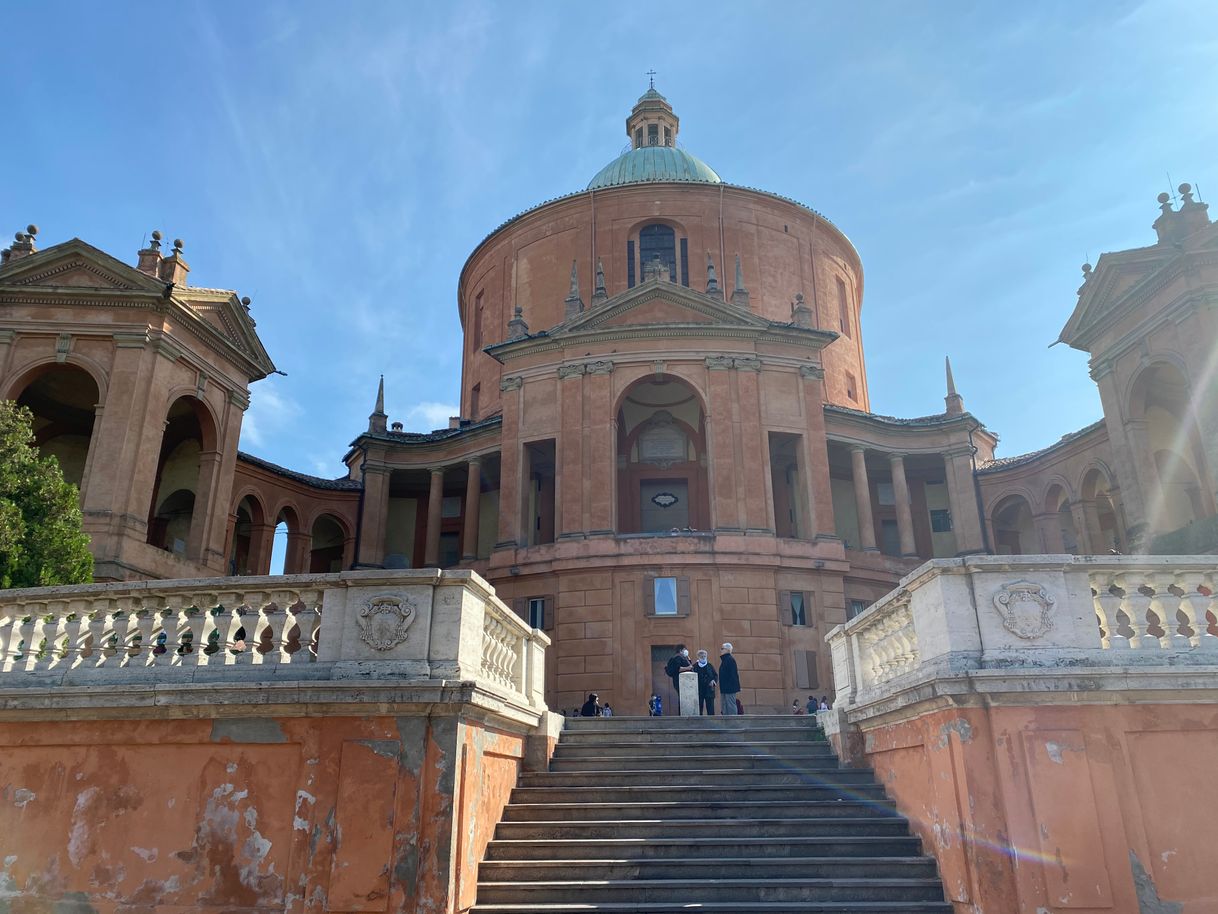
<point x="707" y="679"/>
<point x="729" y="680"/>
<point x="677" y="664"/>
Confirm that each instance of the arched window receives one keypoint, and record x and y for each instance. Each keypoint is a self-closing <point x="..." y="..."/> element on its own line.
<point x="658" y="242"/>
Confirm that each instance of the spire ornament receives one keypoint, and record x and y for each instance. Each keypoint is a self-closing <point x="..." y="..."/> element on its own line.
<point x="599" y="294"/>
<point x="740" y="295"/>
<point x="517" y="328"/>
<point x="955" y="402"/>
<point x="377" y="419"/>
<point x="574" y="304"/>
<point x="712" y="282"/>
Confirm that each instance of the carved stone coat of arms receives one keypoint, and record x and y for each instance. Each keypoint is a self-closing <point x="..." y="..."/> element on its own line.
<point x="383" y="621"/>
<point x="1026" y="609"/>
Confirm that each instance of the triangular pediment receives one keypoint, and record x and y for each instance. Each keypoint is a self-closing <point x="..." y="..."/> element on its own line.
<point x="659" y="303"/>
<point x="77" y="265"/>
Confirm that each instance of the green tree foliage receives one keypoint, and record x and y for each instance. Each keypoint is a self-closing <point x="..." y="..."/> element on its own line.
<point x="42" y="542"/>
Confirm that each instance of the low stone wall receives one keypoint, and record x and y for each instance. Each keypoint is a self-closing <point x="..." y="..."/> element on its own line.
<point x="1041" y="720"/>
<point x="305" y="759"/>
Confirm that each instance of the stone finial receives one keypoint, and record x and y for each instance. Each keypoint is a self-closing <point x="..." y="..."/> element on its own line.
<point x="377" y="418"/>
<point x="173" y="269"/>
<point x="517" y="328"/>
<point x="740" y="295"/>
<point x="1087" y="271"/>
<point x="955" y="402"/>
<point x="599" y="294"/>
<point x="801" y="314"/>
<point x="23" y="244"/>
<point x="712" y="282"/>
<point x="573" y="304"/>
<point x="1173" y="226"/>
<point x="149" y="258"/>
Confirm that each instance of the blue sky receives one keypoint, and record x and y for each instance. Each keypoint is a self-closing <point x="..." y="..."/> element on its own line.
<point x="338" y="162"/>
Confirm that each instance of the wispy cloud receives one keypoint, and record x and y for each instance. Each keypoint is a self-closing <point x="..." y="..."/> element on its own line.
<point x="427" y="417"/>
<point x="271" y="412"/>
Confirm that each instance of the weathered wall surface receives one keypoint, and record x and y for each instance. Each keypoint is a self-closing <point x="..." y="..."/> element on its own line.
<point x="257" y="814"/>
<point x="1047" y="809"/>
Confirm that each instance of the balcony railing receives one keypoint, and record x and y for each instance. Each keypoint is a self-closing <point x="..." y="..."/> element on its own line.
<point x="954" y="615"/>
<point x="407" y="625"/>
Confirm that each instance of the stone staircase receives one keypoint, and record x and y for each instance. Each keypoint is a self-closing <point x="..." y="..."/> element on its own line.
<point x="738" y="814"/>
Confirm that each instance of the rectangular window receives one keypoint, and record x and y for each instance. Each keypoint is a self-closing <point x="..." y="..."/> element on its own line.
<point x="854" y="607"/>
<point x="884" y="494"/>
<point x="474" y="394"/>
<point x="805" y="670"/>
<point x="638" y="137"/>
<point x="450" y="506"/>
<point x="941" y="520"/>
<point x="668" y="142"/>
<point x="794" y="607"/>
<point x="685" y="261"/>
<point x="843" y="308"/>
<point x="537" y="612"/>
<point x="653" y="134"/>
<point x="539" y="514"/>
<point x="791" y="508"/>
<point x="629" y="264"/>
<point x="666" y="596"/>
<point x="851" y="388"/>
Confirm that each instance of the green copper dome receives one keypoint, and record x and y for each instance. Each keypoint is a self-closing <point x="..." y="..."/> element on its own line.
<point x="654" y="163"/>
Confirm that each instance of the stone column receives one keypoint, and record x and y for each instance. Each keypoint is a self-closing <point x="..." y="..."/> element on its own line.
<point x="435" y="504"/>
<point x="569" y="452"/>
<point x="900" y="493"/>
<point x="814" y="460"/>
<point x="752" y="437"/>
<point x="1121" y="446"/>
<point x="725" y="508"/>
<point x="473" y="502"/>
<point x="1049" y="527"/>
<point x="1095" y="532"/>
<point x="962" y="497"/>
<point x="376" y="516"/>
<point x="862" y="498"/>
<point x="261" y="538"/>
<point x="600" y="431"/>
<point x="511" y="491"/>
<point x="1079" y="516"/>
<point x="205" y="488"/>
<point x="296" y="556"/>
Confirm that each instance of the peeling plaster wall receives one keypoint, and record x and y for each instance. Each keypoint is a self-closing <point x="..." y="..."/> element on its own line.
<point x="1044" y="809"/>
<point x="271" y="814"/>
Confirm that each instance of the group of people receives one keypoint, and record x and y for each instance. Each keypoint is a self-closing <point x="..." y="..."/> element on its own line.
<point x="812" y="706"/>
<point x="593" y="708"/>
<point x="725" y="681"/>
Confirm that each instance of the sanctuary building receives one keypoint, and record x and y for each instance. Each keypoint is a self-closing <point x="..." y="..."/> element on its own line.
<point x="665" y="432"/>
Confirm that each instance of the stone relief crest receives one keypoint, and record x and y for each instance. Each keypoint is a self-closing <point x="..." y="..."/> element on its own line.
<point x="383" y="621"/>
<point x="1025" y="609"/>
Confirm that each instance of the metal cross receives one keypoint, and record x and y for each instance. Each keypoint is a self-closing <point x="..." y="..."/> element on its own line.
<point x="651" y="75"/>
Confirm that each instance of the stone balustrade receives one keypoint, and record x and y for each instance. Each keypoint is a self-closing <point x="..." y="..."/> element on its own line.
<point x="952" y="616"/>
<point x="402" y="625"/>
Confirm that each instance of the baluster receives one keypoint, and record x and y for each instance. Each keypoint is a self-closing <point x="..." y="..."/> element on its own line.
<point x="1195" y="605"/>
<point x="1165" y="603"/>
<point x="206" y="631"/>
<point x="12" y="634"/>
<point x="281" y="625"/>
<point x="37" y="634"/>
<point x="95" y="635"/>
<point x="1135" y="604"/>
<point x="1107" y="604"/>
<point x="173" y="630"/>
<point x="126" y="629"/>
<point x="54" y="632"/>
<point x="73" y="634"/>
<point x="308" y="620"/>
<point x="145" y="623"/>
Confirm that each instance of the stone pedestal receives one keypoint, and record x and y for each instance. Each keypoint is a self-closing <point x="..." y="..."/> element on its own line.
<point x="688" y="691"/>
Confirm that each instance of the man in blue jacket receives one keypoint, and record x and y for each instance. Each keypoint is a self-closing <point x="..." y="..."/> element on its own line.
<point x="729" y="680"/>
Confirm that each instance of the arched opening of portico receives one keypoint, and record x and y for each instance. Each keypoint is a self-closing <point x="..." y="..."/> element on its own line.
<point x="64" y="400"/>
<point x="327" y="544"/>
<point x="1064" y="533"/>
<point x="1160" y="402"/>
<point x="662" y="479"/>
<point x="175" y="520"/>
<point x="1014" y="529"/>
<point x="1104" y="531"/>
<point x="249" y="552"/>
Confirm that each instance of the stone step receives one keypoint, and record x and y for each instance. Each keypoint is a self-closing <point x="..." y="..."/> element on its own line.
<point x="721" y="908"/>
<point x="693" y="793"/>
<point x="697" y="891"/>
<point x="730" y="907"/>
<point x="700" y="762"/>
<point x="547" y="809"/>
<point x="861" y="827"/>
<point x="642" y="745"/>
<point x="707" y="869"/>
<point x="760" y="776"/>
<point x="701" y="846"/>
<point x="718" y="724"/>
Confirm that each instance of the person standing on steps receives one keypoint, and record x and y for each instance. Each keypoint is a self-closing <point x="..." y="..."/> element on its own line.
<point x="677" y="664"/>
<point x="729" y="680"/>
<point x="707" y="680"/>
<point x="592" y="707"/>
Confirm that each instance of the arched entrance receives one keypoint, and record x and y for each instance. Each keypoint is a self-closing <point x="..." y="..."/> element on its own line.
<point x="328" y="540"/>
<point x="1014" y="529"/>
<point x="64" y="400"/>
<point x="175" y="521"/>
<point x="249" y="553"/>
<point x="662" y="481"/>
<point x="1104" y="531"/>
